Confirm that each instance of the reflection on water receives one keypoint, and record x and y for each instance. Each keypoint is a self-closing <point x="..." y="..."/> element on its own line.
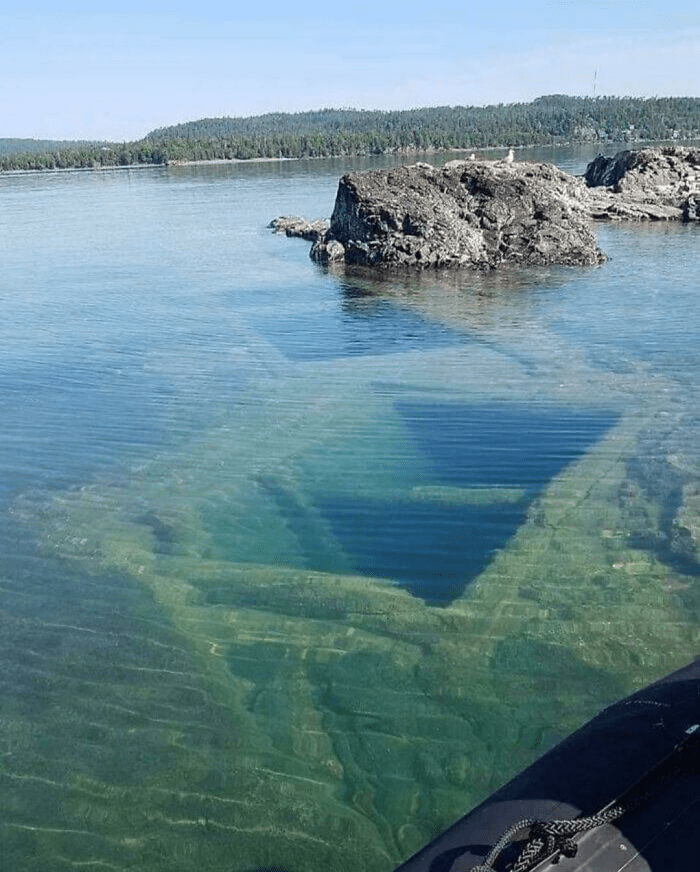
<point x="358" y="327"/>
<point x="235" y="487"/>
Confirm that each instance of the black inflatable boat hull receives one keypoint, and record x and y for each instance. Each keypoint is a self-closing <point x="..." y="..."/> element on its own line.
<point x="598" y="765"/>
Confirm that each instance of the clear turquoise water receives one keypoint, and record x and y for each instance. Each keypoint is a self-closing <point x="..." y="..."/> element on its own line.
<point x="295" y="566"/>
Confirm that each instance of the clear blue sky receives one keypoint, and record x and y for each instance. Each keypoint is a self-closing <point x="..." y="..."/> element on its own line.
<point x="95" y="70"/>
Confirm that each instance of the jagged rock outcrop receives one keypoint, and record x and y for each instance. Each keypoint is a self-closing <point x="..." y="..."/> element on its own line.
<point x="658" y="184"/>
<point x="466" y="214"/>
<point x="483" y="214"/>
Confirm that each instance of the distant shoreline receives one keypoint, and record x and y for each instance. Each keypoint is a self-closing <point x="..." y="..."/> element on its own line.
<point x="230" y="160"/>
<point x="638" y="144"/>
<point x="250" y="160"/>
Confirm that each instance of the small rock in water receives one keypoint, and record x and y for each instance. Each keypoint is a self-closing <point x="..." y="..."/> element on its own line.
<point x="295" y="226"/>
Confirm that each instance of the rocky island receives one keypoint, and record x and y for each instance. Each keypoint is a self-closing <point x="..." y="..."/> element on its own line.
<point x="483" y="214"/>
<point x="657" y="184"/>
<point x="466" y="214"/>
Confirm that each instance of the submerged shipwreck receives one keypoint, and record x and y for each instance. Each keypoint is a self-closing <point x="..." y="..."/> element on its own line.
<point x="621" y="792"/>
<point x="485" y="214"/>
<point x="357" y="548"/>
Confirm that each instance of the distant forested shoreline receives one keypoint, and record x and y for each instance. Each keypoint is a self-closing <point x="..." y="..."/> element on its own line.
<point x="348" y="132"/>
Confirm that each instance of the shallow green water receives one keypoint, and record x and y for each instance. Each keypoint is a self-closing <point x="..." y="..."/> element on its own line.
<point x="296" y="567"/>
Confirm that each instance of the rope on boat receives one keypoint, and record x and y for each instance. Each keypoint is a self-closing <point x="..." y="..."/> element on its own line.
<point x="554" y="839"/>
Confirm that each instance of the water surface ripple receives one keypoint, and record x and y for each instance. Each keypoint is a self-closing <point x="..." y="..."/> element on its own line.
<point x="296" y="567"/>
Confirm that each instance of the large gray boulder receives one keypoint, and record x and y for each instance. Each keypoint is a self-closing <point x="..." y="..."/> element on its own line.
<point x="478" y="214"/>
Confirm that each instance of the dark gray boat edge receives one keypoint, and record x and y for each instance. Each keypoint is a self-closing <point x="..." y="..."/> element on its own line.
<point x="589" y="771"/>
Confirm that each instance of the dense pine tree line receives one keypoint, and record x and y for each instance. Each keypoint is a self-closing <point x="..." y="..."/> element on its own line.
<point x="72" y="155"/>
<point x="337" y="132"/>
